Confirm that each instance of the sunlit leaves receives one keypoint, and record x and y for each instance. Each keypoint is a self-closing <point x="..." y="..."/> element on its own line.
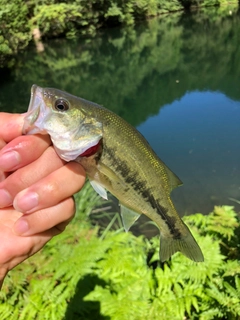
<point x="80" y="275"/>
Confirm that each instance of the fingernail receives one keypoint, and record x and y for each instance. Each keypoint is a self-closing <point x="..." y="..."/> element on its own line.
<point x="25" y="201"/>
<point x="21" y="226"/>
<point x="5" y="198"/>
<point x="9" y="160"/>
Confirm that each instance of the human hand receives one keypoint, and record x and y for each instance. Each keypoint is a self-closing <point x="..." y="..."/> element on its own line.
<point x="36" y="189"/>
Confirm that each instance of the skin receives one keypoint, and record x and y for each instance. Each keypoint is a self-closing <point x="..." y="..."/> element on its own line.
<point x="36" y="201"/>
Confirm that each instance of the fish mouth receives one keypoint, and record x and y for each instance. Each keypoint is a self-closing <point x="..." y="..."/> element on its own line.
<point x="31" y="123"/>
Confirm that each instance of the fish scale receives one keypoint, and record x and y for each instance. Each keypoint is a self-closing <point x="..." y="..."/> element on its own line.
<point x="116" y="158"/>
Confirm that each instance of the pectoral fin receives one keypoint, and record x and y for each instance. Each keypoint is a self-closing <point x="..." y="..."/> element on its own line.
<point x="109" y="173"/>
<point x="128" y="217"/>
<point x="99" y="189"/>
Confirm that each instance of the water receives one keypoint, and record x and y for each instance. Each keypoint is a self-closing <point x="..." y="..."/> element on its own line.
<point x="198" y="137"/>
<point x="175" y="78"/>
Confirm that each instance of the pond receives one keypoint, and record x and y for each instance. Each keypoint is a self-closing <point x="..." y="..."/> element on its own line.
<point x="176" y="78"/>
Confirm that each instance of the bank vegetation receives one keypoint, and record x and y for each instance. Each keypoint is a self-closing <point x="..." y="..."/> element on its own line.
<point x="22" y="22"/>
<point x="91" y="272"/>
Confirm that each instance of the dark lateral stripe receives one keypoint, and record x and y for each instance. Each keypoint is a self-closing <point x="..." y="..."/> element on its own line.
<point x="163" y="212"/>
<point x="141" y="186"/>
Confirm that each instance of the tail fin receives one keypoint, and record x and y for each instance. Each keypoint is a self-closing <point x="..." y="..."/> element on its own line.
<point x="186" y="245"/>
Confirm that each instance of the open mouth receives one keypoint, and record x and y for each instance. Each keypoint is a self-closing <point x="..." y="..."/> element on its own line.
<point x="30" y="119"/>
<point x="33" y="111"/>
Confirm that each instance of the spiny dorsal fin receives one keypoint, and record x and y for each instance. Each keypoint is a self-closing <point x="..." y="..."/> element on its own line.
<point x="128" y="217"/>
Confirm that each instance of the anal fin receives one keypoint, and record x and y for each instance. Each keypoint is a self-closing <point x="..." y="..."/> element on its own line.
<point x="128" y="217"/>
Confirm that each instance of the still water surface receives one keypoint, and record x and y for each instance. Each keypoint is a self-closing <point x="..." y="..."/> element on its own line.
<point x="176" y="78"/>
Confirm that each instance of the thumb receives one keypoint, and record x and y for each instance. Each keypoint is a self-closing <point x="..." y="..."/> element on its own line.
<point x="10" y="125"/>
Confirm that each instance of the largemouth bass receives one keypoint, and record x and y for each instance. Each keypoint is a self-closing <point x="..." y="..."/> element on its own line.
<point x="116" y="158"/>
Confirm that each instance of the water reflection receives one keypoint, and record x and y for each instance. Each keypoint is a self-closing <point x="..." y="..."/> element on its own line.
<point x="199" y="138"/>
<point x="170" y="77"/>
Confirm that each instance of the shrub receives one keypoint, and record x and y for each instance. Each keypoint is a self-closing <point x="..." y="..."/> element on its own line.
<point x="14" y="28"/>
<point x="18" y="18"/>
<point x="82" y="274"/>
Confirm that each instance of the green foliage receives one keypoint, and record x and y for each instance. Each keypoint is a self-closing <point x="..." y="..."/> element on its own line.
<point x="136" y="67"/>
<point x="221" y="224"/>
<point x="14" y="29"/>
<point x="55" y="19"/>
<point x="19" y="18"/>
<point x="80" y="275"/>
<point x="70" y="19"/>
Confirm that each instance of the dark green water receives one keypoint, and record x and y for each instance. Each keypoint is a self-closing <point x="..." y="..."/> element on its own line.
<point x="176" y="78"/>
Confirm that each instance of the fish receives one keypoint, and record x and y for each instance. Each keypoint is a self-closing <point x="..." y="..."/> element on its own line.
<point x="116" y="158"/>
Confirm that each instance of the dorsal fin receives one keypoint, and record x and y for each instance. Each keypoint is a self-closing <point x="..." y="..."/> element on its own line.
<point x="174" y="181"/>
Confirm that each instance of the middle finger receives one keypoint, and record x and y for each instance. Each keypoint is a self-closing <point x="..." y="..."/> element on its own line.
<point x="52" y="189"/>
<point x="22" y="151"/>
<point x="28" y="175"/>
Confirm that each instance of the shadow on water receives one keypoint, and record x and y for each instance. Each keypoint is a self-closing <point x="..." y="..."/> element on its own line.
<point x="157" y="69"/>
<point x="78" y="309"/>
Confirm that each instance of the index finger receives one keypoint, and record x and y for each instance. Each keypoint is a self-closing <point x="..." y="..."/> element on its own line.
<point x="11" y="125"/>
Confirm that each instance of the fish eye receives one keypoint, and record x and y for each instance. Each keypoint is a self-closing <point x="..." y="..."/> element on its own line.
<point x="61" y="105"/>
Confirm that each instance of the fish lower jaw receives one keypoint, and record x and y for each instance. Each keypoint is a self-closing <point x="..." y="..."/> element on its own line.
<point x="30" y="120"/>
